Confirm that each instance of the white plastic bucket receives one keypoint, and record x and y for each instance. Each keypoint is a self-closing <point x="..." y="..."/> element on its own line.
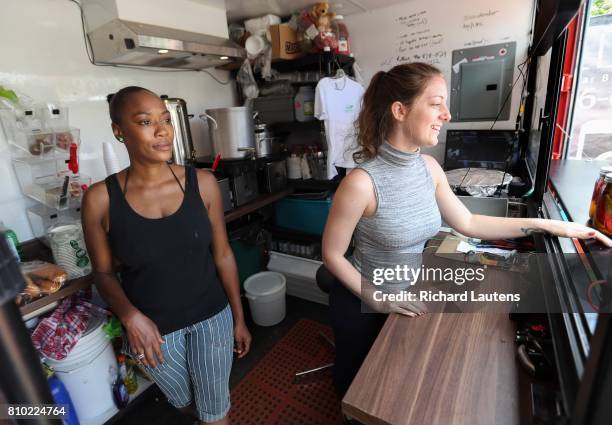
<point x="88" y="372"/>
<point x="266" y="294"/>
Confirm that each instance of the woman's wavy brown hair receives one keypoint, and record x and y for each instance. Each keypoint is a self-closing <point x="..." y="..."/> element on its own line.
<point x="402" y="83"/>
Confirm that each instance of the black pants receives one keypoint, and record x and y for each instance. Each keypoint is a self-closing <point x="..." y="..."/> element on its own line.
<point x="354" y="334"/>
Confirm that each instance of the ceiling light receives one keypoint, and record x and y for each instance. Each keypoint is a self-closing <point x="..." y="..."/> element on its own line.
<point x="224" y="58"/>
<point x="162" y="51"/>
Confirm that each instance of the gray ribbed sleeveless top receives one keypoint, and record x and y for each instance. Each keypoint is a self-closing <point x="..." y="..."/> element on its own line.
<point x="406" y="216"/>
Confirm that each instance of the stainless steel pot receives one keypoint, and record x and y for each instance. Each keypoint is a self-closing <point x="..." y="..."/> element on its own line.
<point x="182" y="146"/>
<point x="231" y="131"/>
<point x="263" y="141"/>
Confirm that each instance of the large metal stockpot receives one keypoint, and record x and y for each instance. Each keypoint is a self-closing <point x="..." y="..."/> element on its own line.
<point x="232" y="133"/>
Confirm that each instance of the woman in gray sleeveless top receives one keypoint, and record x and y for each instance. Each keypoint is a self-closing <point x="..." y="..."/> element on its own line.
<point x="392" y="204"/>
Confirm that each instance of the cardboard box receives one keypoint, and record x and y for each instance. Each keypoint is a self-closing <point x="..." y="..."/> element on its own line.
<point x="285" y="44"/>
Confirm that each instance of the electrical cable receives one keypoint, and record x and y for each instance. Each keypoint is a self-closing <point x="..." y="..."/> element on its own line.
<point x="510" y="91"/>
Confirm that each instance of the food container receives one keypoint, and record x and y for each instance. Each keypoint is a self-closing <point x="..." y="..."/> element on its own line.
<point x="48" y="180"/>
<point x="41" y="218"/>
<point x="66" y="137"/>
<point x="43" y="142"/>
<point x="599" y="185"/>
<point x="603" y="213"/>
<point x="305" y="215"/>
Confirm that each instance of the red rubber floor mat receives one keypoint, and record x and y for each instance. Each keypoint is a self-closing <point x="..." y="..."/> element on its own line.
<point x="270" y="395"/>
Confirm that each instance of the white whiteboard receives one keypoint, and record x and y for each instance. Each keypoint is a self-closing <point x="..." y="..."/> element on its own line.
<point x="429" y="30"/>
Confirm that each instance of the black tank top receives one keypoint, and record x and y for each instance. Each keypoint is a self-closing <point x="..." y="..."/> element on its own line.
<point x="167" y="269"/>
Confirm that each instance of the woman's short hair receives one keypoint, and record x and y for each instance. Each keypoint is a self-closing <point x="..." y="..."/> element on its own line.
<point x="402" y="83"/>
<point x="117" y="101"/>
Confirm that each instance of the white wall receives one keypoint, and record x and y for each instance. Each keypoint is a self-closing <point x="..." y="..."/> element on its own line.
<point x="376" y="40"/>
<point x="43" y="57"/>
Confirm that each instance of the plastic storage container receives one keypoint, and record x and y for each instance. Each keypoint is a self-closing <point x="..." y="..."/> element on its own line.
<point x="41" y="217"/>
<point x="266" y="294"/>
<point x="44" y="179"/>
<point x="43" y="143"/>
<point x="340" y="30"/>
<point x="301" y="276"/>
<point x="53" y="116"/>
<point x="305" y="215"/>
<point x="88" y="373"/>
<point x="248" y="259"/>
<point x="304" y="104"/>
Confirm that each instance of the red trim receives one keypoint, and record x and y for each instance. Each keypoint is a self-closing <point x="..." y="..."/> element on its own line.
<point x="566" y="87"/>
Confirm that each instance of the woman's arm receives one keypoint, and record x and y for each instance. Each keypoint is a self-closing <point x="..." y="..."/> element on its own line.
<point x="353" y="199"/>
<point x="143" y="335"/>
<point x="485" y="227"/>
<point x="224" y="258"/>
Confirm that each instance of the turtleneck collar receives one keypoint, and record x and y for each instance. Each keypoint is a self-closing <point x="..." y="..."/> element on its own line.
<point x="397" y="157"/>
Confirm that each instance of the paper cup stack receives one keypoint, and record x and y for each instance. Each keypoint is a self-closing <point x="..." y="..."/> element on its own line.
<point x="68" y="247"/>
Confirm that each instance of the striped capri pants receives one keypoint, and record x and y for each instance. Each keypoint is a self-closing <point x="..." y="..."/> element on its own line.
<point x="197" y="364"/>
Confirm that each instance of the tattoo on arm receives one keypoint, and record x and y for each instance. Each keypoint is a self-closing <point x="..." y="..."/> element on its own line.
<point x="530" y="230"/>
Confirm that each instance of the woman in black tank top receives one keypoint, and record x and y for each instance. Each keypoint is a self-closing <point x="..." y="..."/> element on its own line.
<point x="164" y="225"/>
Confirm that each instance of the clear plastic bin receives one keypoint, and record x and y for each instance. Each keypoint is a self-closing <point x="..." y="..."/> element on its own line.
<point x="53" y="116"/>
<point x="48" y="180"/>
<point x="41" y="218"/>
<point x="43" y="142"/>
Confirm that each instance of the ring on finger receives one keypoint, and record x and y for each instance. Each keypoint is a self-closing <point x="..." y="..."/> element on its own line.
<point x="140" y="356"/>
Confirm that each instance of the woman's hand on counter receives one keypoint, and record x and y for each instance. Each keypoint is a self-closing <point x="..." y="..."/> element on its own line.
<point x="568" y="229"/>
<point x="242" y="339"/>
<point x="144" y="338"/>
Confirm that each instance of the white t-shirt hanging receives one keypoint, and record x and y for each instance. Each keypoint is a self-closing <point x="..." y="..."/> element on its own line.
<point x="337" y="103"/>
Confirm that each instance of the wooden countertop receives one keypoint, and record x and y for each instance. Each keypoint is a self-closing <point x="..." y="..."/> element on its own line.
<point x="438" y="369"/>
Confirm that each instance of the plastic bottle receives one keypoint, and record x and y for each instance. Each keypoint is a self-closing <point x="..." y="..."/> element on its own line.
<point x="120" y="393"/>
<point x="61" y="397"/>
<point x="327" y="60"/>
<point x="11" y="238"/>
<point x="304" y="104"/>
<point x="340" y="30"/>
<point x="294" y="167"/>
<point x="306" y="174"/>
<point x="127" y="375"/>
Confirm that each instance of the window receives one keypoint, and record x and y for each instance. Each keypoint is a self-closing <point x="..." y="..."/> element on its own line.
<point x="591" y="124"/>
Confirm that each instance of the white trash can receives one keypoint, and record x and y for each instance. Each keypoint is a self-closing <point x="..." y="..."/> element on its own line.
<point x="87" y="372"/>
<point x="266" y="294"/>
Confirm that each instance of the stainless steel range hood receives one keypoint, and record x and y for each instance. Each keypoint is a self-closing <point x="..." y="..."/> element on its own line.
<point x="183" y="34"/>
